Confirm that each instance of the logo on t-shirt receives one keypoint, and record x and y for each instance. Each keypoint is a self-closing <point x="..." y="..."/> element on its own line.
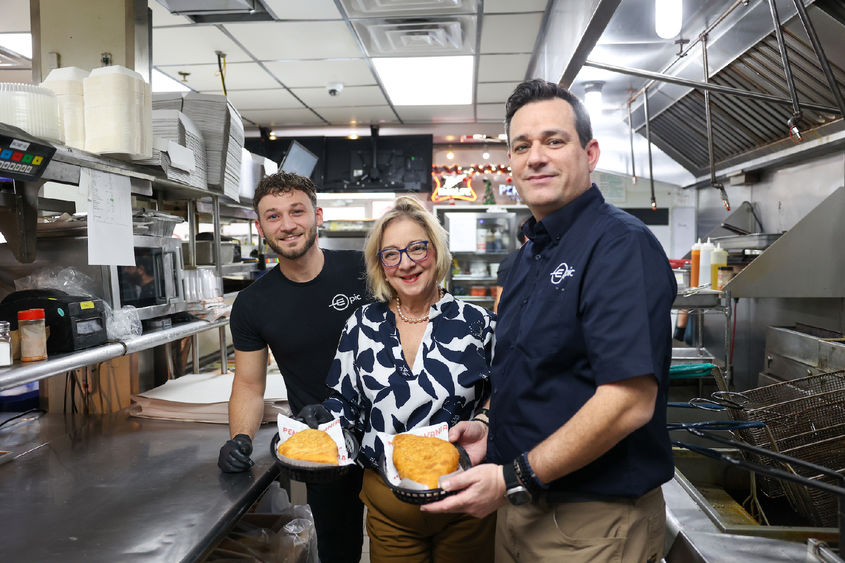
<point x="561" y="273"/>
<point x="341" y="302"/>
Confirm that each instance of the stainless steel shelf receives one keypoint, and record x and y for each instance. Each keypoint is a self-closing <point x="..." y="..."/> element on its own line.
<point x="240" y="268"/>
<point x="703" y="299"/>
<point x="20" y="374"/>
<point x="469" y="277"/>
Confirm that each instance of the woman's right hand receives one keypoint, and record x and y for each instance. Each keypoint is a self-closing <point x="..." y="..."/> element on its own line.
<point x="472" y="437"/>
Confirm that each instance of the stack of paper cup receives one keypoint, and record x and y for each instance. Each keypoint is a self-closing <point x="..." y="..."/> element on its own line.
<point x="66" y="83"/>
<point x="118" y="113"/>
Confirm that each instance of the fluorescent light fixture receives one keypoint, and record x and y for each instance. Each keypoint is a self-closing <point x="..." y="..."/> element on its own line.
<point x="20" y="43"/>
<point x="427" y="81"/>
<point x="163" y="83"/>
<point x="355" y="195"/>
<point x="593" y="98"/>
<point x="668" y="17"/>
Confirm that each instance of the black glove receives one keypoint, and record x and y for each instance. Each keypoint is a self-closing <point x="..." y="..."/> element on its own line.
<point x="314" y="415"/>
<point x="679" y="333"/>
<point x="234" y="455"/>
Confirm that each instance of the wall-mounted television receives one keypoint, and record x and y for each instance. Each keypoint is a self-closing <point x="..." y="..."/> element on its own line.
<point x="298" y="160"/>
<point x="399" y="163"/>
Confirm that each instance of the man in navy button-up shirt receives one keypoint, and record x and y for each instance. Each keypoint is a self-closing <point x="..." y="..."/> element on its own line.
<point x="577" y="419"/>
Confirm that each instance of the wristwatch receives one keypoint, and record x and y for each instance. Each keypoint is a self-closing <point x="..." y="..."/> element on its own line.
<point x="515" y="492"/>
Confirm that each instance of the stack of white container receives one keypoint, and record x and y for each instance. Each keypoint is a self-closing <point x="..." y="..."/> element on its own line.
<point x="32" y="108"/>
<point x="118" y="113"/>
<point x="173" y="126"/>
<point x="66" y="83"/>
<point x="222" y="129"/>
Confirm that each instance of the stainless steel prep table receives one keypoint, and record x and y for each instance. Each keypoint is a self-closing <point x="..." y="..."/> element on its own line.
<point x="114" y="488"/>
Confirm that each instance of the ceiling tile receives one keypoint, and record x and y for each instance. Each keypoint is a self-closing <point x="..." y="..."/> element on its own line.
<point x="493" y="6"/>
<point x="276" y="98"/>
<point x="491" y="112"/>
<point x="351" y="96"/>
<point x="492" y="68"/>
<point x="193" y="44"/>
<point x="497" y="33"/>
<point x="436" y="114"/>
<point x="282" y="117"/>
<point x="162" y="17"/>
<point x="239" y="76"/>
<point x="301" y="74"/>
<point x="495" y="92"/>
<point x="310" y="10"/>
<point x="296" y="40"/>
<point x="15" y="16"/>
<point x="361" y="115"/>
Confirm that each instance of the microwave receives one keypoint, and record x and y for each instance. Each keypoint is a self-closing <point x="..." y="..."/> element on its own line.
<point x="153" y="286"/>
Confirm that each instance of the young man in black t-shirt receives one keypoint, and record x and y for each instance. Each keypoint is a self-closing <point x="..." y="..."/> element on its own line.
<point x="298" y="309"/>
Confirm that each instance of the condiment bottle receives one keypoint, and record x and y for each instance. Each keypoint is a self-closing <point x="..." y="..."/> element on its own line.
<point x="704" y="264"/>
<point x="694" y="263"/>
<point x="5" y="344"/>
<point x="718" y="258"/>
<point x="33" y="335"/>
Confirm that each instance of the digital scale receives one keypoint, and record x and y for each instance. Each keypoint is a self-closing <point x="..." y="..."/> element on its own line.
<point x="22" y="156"/>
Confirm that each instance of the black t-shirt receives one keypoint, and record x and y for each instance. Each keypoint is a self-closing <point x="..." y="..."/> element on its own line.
<point x="301" y="322"/>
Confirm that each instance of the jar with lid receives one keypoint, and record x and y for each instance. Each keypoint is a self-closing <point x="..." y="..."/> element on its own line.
<point x="5" y="344"/>
<point x="33" y="335"/>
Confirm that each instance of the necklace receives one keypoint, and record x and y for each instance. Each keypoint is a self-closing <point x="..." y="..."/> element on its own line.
<point x="419" y="320"/>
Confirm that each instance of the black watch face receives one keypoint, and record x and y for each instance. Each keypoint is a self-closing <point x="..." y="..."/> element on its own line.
<point x="518" y="496"/>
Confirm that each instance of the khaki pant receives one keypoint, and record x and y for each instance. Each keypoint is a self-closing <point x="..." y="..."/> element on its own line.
<point x="624" y="531"/>
<point x="399" y="532"/>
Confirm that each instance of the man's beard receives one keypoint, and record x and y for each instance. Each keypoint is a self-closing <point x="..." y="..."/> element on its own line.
<point x="293" y="254"/>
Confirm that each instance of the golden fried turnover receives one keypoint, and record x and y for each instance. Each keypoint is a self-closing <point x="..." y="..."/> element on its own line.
<point x="423" y="459"/>
<point x="310" y="445"/>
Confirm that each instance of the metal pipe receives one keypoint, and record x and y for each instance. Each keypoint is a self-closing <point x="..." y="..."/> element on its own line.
<point x="195" y="353"/>
<point x="817" y="47"/>
<point x="218" y="250"/>
<point x="631" y="137"/>
<point x="709" y="121"/>
<point x="787" y="71"/>
<point x="224" y="356"/>
<point x="192" y="234"/>
<point x="705" y="86"/>
<point x="684" y="52"/>
<point x="648" y="140"/>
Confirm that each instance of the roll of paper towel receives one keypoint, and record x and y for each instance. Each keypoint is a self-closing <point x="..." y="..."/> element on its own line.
<point x="66" y="83"/>
<point x="118" y="113"/>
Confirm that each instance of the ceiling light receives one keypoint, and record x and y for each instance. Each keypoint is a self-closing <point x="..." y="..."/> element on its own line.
<point x="450" y="155"/>
<point x="429" y="81"/>
<point x="272" y="137"/>
<point x="20" y="43"/>
<point x="668" y="17"/>
<point x="503" y="137"/>
<point x="352" y="137"/>
<point x="593" y="98"/>
<point x="486" y="154"/>
<point x="163" y="83"/>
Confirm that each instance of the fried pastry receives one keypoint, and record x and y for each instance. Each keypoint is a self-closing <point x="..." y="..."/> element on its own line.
<point x="423" y="459"/>
<point x="310" y="445"/>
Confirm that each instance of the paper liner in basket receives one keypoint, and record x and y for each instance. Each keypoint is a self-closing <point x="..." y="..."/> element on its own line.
<point x="392" y="475"/>
<point x="288" y="427"/>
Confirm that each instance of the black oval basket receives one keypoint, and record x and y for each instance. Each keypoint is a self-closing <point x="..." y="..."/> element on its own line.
<point x="412" y="496"/>
<point x="323" y="474"/>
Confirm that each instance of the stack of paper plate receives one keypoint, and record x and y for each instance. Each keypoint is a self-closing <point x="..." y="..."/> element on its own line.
<point x="118" y="113"/>
<point x="32" y="108"/>
<point x="66" y="83"/>
<point x="172" y="127"/>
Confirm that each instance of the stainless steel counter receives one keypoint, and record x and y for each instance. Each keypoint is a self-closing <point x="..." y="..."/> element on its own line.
<point x="114" y="488"/>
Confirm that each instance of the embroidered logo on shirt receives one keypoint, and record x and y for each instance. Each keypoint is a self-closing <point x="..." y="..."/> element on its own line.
<point x="341" y="302"/>
<point x="561" y="273"/>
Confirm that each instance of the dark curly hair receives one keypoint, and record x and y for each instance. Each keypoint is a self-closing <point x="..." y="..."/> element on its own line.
<point x="282" y="183"/>
<point x="536" y="90"/>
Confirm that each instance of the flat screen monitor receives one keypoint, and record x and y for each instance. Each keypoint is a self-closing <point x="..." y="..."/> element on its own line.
<point x="298" y="160"/>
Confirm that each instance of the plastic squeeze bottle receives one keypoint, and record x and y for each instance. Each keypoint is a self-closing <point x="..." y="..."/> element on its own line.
<point x="695" y="256"/>
<point x="704" y="263"/>
<point x="718" y="258"/>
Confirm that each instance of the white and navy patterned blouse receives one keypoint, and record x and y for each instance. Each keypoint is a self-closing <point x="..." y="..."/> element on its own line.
<point x="374" y="390"/>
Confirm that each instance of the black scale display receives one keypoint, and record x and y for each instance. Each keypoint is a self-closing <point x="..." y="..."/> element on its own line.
<point x="22" y="156"/>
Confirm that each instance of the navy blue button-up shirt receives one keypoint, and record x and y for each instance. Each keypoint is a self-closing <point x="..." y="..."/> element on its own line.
<point x="587" y="303"/>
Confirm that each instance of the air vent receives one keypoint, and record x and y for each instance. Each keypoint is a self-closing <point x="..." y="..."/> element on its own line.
<point x="406" y="8"/>
<point x="414" y="37"/>
<point x="218" y="11"/>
